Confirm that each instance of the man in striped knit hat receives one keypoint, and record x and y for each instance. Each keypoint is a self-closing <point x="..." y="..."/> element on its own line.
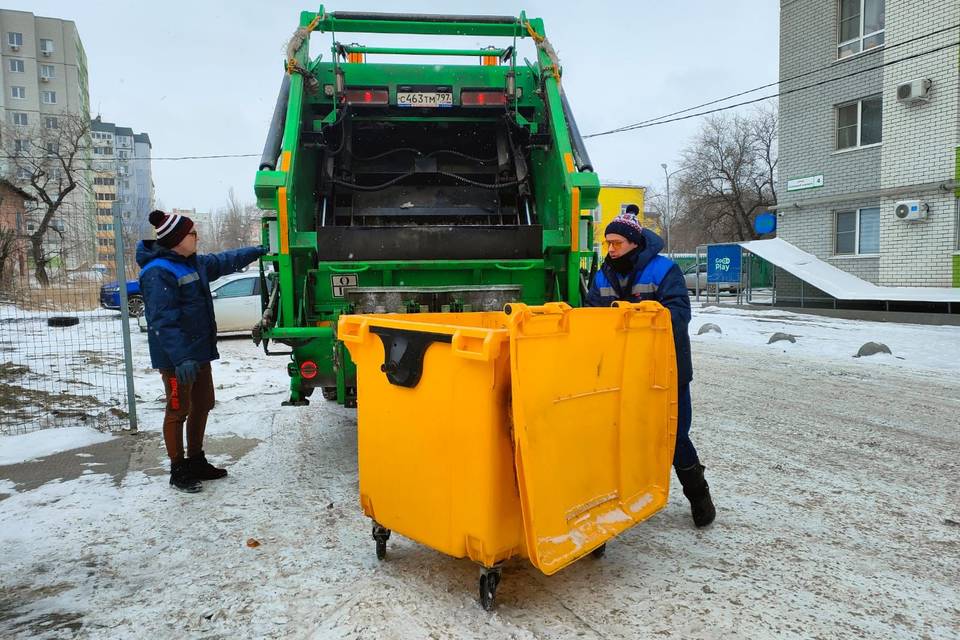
<point x="175" y="283"/>
<point x="634" y="270"/>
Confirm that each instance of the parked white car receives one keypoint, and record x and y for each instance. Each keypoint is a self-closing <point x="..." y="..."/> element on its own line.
<point x="691" y="275"/>
<point x="236" y="303"/>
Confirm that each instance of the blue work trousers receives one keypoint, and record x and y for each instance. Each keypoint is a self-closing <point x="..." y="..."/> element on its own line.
<point x="685" y="454"/>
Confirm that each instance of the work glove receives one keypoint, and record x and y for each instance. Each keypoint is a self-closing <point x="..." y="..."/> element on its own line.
<point x="187" y="372"/>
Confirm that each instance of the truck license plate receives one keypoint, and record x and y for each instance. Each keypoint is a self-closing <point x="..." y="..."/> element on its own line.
<point x="429" y="99"/>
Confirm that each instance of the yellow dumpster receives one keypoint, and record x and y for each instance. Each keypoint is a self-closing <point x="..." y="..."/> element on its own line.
<point x="539" y="432"/>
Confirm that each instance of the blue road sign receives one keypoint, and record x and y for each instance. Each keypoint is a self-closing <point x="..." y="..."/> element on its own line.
<point x="765" y="223"/>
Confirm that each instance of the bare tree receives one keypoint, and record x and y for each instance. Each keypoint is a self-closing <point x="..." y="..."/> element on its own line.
<point x="8" y="243"/>
<point x="239" y="223"/>
<point x="232" y="226"/>
<point x="50" y="163"/>
<point x="729" y="177"/>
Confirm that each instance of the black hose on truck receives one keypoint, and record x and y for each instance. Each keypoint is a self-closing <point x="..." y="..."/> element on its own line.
<point x="271" y="148"/>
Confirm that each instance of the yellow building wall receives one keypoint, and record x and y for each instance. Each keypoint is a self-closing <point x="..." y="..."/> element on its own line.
<point x="613" y="200"/>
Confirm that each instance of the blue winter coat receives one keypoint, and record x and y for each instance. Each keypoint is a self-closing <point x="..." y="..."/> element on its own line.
<point x="179" y="307"/>
<point x="654" y="277"/>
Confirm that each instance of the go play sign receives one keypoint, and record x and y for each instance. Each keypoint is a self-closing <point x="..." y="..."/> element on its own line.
<point x="723" y="263"/>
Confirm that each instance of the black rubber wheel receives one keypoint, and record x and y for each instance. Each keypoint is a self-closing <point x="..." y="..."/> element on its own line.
<point x="329" y="393"/>
<point x="599" y="551"/>
<point x="62" y="321"/>
<point x="135" y="306"/>
<point x="489" y="582"/>
<point x="380" y="535"/>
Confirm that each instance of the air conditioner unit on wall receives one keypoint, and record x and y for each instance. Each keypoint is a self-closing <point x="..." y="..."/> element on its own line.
<point x="911" y="210"/>
<point x="15" y="47"/>
<point x="914" y="91"/>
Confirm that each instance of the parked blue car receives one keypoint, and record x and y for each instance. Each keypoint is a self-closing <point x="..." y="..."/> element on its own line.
<point x="110" y="297"/>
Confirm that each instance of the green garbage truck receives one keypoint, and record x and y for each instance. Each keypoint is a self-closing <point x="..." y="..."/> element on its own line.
<point x="411" y="179"/>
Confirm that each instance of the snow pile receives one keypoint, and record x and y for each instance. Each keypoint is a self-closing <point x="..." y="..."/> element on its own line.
<point x="925" y="347"/>
<point x="30" y="446"/>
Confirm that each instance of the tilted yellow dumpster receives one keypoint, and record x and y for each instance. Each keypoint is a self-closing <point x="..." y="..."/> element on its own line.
<point x="539" y="432"/>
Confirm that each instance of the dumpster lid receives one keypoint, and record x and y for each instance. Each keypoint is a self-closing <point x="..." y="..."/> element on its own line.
<point x="594" y="417"/>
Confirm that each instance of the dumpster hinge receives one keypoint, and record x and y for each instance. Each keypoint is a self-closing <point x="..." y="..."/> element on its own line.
<point x="403" y="352"/>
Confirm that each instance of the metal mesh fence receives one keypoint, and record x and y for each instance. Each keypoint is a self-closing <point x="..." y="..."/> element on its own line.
<point x="61" y="352"/>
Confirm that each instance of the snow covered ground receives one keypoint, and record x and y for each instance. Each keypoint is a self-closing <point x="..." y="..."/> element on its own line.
<point x="834" y="478"/>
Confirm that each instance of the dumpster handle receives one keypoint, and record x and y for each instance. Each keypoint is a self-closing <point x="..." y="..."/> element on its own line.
<point x="353" y="329"/>
<point x="462" y="339"/>
<point x="548" y="308"/>
<point x="555" y="312"/>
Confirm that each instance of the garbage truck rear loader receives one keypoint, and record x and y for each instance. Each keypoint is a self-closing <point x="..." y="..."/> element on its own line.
<point x="395" y="183"/>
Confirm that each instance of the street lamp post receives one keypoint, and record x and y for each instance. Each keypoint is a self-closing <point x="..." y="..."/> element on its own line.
<point x="666" y="175"/>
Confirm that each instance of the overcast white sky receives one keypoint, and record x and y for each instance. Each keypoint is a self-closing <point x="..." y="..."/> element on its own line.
<point x="201" y="77"/>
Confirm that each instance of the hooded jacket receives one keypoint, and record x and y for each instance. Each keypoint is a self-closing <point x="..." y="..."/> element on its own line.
<point x="653" y="277"/>
<point x="179" y="307"/>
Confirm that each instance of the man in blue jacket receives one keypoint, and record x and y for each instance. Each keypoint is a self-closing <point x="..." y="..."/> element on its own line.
<point x="175" y="283"/>
<point x="633" y="271"/>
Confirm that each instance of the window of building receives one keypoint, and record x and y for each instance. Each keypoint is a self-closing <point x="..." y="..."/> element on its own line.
<point x="860" y="123"/>
<point x="104" y="181"/>
<point x="860" y="26"/>
<point x="20" y="146"/>
<point x="16" y="65"/>
<point x="51" y="122"/>
<point x="857" y="232"/>
<point x="48" y="97"/>
<point x="19" y="93"/>
<point x="106" y="196"/>
<point x="46" y="46"/>
<point x="15" y="39"/>
<point x="53" y="148"/>
<point x="20" y="118"/>
<point x="48" y="71"/>
<point x="23" y="174"/>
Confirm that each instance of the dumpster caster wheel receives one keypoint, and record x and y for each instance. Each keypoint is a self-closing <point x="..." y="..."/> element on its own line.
<point x="381" y="534"/>
<point x="599" y="551"/>
<point x="489" y="581"/>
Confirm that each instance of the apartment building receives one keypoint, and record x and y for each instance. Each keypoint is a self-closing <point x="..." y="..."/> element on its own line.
<point x="870" y="138"/>
<point x="123" y="181"/>
<point x="43" y="73"/>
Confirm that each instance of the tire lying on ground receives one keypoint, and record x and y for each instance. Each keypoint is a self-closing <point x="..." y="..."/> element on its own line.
<point x="62" y="321"/>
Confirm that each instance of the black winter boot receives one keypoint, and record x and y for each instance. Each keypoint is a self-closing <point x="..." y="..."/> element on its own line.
<point x="203" y="470"/>
<point x="182" y="478"/>
<point x="697" y="490"/>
